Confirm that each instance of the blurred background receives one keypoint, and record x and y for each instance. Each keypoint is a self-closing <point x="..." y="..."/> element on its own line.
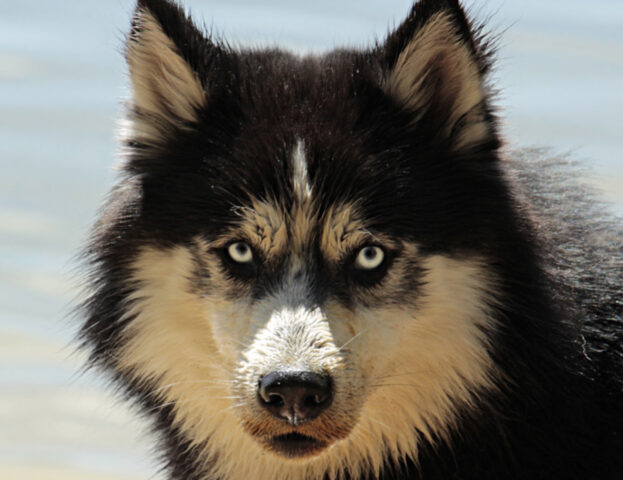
<point x="62" y="78"/>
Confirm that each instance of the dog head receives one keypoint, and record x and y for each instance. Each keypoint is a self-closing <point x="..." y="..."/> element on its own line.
<point x="295" y="258"/>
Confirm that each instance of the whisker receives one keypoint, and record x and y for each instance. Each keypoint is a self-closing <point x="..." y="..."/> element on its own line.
<point x="216" y="366"/>
<point x="351" y="339"/>
<point x="162" y="406"/>
<point x="372" y="419"/>
<point x="229" y="397"/>
<point x="192" y="400"/>
<point x="414" y="372"/>
<point x="219" y="412"/>
<point x="211" y="383"/>
<point x="395" y="385"/>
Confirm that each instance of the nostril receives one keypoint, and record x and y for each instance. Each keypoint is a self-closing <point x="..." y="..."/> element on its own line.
<point x="313" y="400"/>
<point x="275" y="399"/>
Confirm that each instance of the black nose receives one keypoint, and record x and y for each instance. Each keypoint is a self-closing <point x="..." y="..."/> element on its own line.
<point x="295" y="397"/>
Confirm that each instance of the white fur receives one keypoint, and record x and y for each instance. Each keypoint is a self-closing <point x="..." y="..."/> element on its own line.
<point x="300" y="179"/>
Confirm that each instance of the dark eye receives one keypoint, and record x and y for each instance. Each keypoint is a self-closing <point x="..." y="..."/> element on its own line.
<point x="240" y="252"/>
<point x="369" y="258"/>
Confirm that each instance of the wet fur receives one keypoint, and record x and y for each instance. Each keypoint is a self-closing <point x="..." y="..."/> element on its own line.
<point x="489" y="348"/>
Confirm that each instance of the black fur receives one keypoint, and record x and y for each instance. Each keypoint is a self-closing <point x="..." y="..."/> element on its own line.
<point x="559" y="412"/>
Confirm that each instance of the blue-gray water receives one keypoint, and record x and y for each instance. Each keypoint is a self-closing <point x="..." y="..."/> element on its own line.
<point x="61" y="80"/>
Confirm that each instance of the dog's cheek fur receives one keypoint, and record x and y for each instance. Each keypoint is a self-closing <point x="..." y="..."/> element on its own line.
<point x="423" y="364"/>
<point x="169" y="343"/>
<point x="167" y="337"/>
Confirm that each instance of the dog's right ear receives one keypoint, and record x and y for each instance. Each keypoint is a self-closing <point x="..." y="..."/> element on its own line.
<point x="168" y="59"/>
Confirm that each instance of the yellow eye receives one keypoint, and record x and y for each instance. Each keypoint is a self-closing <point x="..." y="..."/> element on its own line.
<point x="240" y="252"/>
<point x="369" y="258"/>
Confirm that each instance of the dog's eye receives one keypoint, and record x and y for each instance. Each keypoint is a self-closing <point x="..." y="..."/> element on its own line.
<point x="240" y="252"/>
<point x="369" y="258"/>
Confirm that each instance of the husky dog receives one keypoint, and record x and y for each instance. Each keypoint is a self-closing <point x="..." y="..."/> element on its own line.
<point x="325" y="267"/>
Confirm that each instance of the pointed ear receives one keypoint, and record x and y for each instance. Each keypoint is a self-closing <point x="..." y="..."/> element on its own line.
<point x="163" y="52"/>
<point x="435" y="66"/>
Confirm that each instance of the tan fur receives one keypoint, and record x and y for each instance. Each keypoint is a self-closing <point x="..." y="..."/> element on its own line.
<point x="437" y="50"/>
<point x="264" y="225"/>
<point x="273" y="229"/>
<point x="396" y="367"/>
<point x="343" y="231"/>
<point x="165" y="89"/>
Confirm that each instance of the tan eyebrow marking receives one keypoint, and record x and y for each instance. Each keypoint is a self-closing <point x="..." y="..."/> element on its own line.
<point x="342" y="229"/>
<point x="264" y="224"/>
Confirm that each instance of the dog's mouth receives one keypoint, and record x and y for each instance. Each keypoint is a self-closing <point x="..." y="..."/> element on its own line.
<point x="296" y="445"/>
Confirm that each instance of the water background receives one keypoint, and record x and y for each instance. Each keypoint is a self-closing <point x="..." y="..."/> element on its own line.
<point x="62" y="78"/>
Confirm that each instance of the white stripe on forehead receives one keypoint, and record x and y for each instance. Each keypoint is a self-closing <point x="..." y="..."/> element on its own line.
<point x="300" y="179"/>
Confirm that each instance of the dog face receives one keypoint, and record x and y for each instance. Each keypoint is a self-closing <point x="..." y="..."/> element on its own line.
<point x="282" y="267"/>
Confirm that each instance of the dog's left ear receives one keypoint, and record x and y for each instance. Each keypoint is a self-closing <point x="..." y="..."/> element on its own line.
<point x="434" y="66"/>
